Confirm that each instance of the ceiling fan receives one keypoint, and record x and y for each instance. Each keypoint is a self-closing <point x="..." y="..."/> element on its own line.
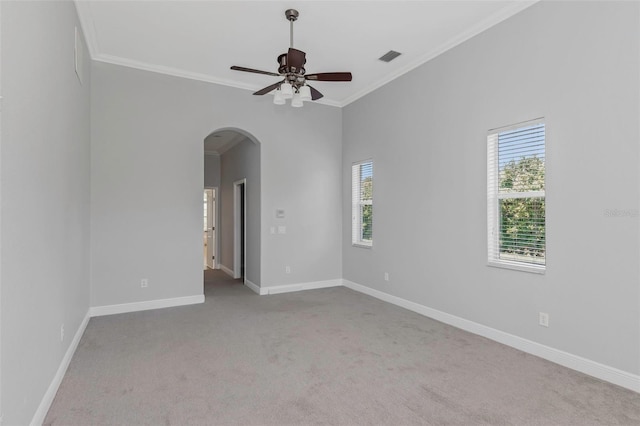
<point x="291" y="67"/>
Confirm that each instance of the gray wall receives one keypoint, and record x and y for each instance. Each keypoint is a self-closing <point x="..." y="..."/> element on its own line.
<point x="241" y="162"/>
<point x="147" y="178"/>
<point x="211" y="171"/>
<point x="576" y="64"/>
<point x="45" y="199"/>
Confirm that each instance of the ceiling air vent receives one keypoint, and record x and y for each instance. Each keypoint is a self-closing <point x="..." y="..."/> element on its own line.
<point x="389" y="56"/>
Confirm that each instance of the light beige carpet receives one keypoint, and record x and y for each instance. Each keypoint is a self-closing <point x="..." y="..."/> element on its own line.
<point x="330" y="356"/>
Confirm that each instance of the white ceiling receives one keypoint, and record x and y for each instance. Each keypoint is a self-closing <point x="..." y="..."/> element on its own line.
<point x="202" y="39"/>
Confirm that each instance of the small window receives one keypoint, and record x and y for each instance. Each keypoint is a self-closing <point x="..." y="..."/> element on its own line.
<point x="516" y="197"/>
<point x="205" y="210"/>
<point x="362" y="206"/>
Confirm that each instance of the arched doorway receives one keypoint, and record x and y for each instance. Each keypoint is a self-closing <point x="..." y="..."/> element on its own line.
<point x="232" y="181"/>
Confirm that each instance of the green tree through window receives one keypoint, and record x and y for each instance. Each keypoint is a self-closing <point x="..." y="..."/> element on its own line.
<point x="367" y="209"/>
<point x="522" y="220"/>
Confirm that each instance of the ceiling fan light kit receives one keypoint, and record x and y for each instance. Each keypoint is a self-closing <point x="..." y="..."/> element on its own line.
<point x="305" y="93"/>
<point x="296" y="102"/>
<point x="279" y="99"/>
<point x="287" y="90"/>
<point x="291" y="68"/>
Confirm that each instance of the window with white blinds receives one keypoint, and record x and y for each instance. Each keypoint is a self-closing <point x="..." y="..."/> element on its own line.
<point x="516" y="196"/>
<point x="362" y="203"/>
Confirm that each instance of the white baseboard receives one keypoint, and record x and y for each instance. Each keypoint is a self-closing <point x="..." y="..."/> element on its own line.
<point x="255" y="287"/>
<point x="97" y="311"/>
<point x="47" y="399"/>
<point x="287" y="288"/>
<point x="575" y="362"/>
<point x="226" y="270"/>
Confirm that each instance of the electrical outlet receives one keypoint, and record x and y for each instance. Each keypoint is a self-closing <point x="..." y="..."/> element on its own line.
<point x="144" y="283"/>
<point x="287" y="269"/>
<point x="386" y="276"/>
<point x="544" y="319"/>
<point x="62" y="332"/>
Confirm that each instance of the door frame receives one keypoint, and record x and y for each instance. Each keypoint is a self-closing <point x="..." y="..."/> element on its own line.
<point x="216" y="224"/>
<point x="237" y="247"/>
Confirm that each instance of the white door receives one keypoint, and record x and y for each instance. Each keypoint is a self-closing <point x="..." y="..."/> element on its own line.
<point x="211" y="228"/>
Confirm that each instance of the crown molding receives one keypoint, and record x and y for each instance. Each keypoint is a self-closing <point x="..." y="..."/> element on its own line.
<point x="176" y="72"/>
<point x="517" y="7"/>
<point x="83" y="8"/>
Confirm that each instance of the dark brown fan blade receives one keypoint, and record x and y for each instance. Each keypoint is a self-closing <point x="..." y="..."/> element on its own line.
<point x="296" y="58"/>
<point x="329" y="76"/>
<point x="268" y="88"/>
<point x="315" y="95"/>
<point x="254" y="71"/>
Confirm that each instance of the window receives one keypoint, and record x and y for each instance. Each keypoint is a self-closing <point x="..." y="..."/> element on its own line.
<point x="516" y="196"/>
<point x="362" y="203"/>
<point x="205" y="210"/>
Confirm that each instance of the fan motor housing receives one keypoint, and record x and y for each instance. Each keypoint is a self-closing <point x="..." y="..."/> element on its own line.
<point x="284" y="66"/>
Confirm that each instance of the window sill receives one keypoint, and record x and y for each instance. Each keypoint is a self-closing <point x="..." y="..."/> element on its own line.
<point x="362" y="245"/>
<point x="517" y="266"/>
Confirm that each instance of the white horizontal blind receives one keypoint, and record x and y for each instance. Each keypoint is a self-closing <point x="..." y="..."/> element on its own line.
<point x="516" y="195"/>
<point x="362" y="203"/>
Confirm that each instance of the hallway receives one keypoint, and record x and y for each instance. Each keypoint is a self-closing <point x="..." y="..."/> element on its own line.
<point x="216" y="280"/>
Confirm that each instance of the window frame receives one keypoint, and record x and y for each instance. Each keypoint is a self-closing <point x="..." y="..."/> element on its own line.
<point x="494" y="197"/>
<point x="357" y="205"/>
